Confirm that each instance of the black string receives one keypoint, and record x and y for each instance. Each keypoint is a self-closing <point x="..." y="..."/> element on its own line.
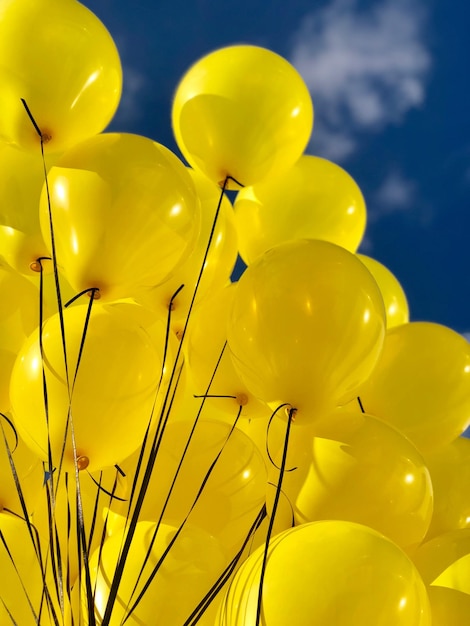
<point x="292" y="412"/>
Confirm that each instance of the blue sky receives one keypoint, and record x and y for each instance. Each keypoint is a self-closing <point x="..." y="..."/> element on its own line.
<point x="392" y="101"/>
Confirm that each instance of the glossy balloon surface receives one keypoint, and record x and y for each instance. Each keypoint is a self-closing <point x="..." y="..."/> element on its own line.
<point x="67" y="70"/>
<point x="307" y="326"/>
<point x="242" y="111"/>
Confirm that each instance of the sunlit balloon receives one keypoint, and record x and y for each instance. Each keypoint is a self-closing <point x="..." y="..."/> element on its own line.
<point x="124" y="211"/>
<point x="215" y="261"/>
<point x="233" y="494"/>
<point x="59" y="58"/>
<point x="110" y="400"/>
<point x="242" y="111"/>
<point x="314" y="199"/>
<point x="437" y="558"/>
<point x="192" y="565"/>
<point x="307" y="326"/>
<point x="368" y="473"/>
<point x="450" y="474"/>
<point x="421" y="384"/>
<point x="330" y="572"/>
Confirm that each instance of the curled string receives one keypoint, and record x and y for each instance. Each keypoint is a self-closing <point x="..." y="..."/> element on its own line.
<point x="178" y="532"/>
<point x="268" y="452"/>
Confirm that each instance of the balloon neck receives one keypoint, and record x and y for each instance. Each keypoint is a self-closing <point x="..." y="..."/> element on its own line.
<point x="82" y="463"/>
<point x="46" y="137"/>
<point x="291" y="413"/>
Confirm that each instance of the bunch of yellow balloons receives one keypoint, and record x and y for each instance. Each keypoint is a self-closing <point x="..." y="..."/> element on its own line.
<point x="178" y="447"/>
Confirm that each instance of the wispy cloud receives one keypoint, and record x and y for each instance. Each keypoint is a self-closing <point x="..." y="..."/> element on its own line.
<point x="365" y="68"/>
<point x="130" y="108"/>
<point x="395" y="194"/>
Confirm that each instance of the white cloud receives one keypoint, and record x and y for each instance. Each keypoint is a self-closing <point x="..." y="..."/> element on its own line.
<point x="364" y="68"/>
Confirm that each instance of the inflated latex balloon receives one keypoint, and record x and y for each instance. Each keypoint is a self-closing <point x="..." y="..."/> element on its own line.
<point x="111" y="398"/>
<point x="218" y="264"/>
<point x="369" y="473"/>
<point x="448" y="606"/>
<point x="450" y="474"/>
<point x="59" y="58"/>
<point x="124" y="212"/>
<point x="192" y="565"/>
<point x="445" y="560"/>
<point x="20" y="574"/>
<point x="396" y="304"/>
<point x="242" y="111"/>
<point x="330" y="572"/>
<point x="307" y="326"/>
<point x="314" y="199"/>
<point x="210" y="363"/>
<point x="235" y="490"/>
<point x="421" y="384"/>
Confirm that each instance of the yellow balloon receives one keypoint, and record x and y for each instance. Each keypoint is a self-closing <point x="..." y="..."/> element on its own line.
<point x="448" y="606"/>
<point x="314" y="199"/>
<point x="330" y="572"/>
<point x="436" y="559"/>
<point x="124" y="213"/>
<point x="233" y="495"/>
<point x="242" y="111"/>
<point x="421" y="384"/>
<point x="206" y="339"/>
<point x="111" y="399"/>
<point x="369" y="473"/>
<point x="307" y="326"/>
<point x="396" y="304"/>
<point x="218" y="264"/>
<point x="450" y="474"/>
<point x="192" y="565"/>
<point x="59" y="58"/>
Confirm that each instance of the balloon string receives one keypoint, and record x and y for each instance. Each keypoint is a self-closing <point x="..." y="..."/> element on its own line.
<point x="18" y="574"/>
<point x="268" y="452"/>
<point x="180" y="464"/>
<point x="210" y="596"/>
<point x="290" y="419"/>
<point x="26" y="517"/>
<point x="180" y="529"/>
<point x="44" y="138"/>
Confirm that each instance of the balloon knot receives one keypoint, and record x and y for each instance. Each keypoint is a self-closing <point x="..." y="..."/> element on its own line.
<point x="242" y="399"/>
<point x="82" y="462"/>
